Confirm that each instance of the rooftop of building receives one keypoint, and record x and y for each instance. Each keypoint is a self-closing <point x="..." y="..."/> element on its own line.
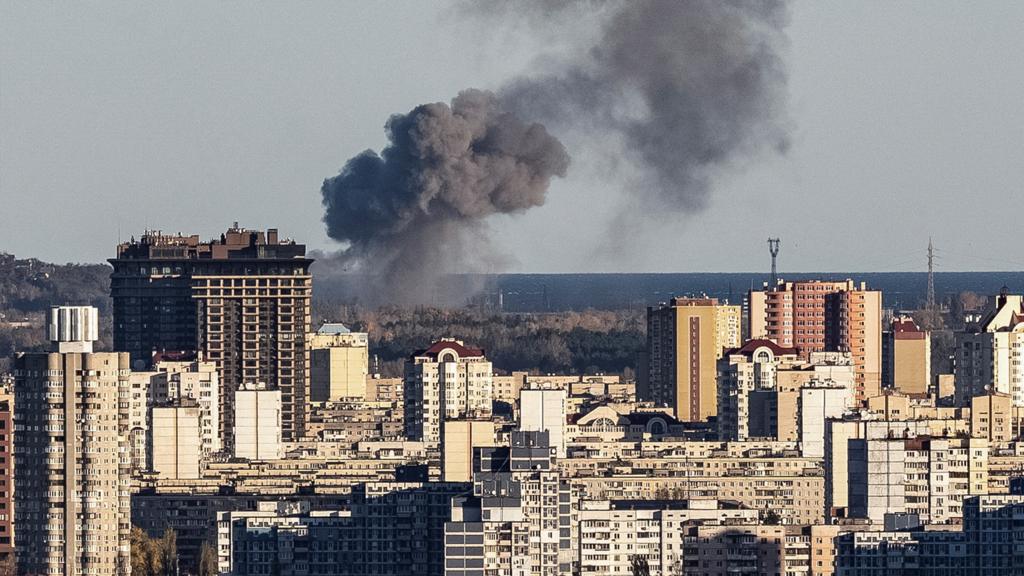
<point x="438" y="348"/>
<point x="751" y="346"/>
<point x="673" y="504"/>
<point x="333" y="328"/>
<point x="235" y="243"/>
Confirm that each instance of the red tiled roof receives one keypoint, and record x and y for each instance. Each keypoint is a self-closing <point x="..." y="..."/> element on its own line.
<point x="904" y="324"/>
<point x="750" y="345"/>
<point x="441" y="345"/>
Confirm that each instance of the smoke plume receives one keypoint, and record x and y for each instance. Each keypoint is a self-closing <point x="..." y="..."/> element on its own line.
<point x="680" y="90"/>
<point x="416" y="211"/>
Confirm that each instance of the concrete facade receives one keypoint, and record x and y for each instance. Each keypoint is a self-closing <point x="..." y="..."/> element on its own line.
<point x="257" y="423"/>
<point x="338" y="364"/>
<point x="685" y="339"/>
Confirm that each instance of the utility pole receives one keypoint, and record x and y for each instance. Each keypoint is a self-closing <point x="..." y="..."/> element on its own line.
<point x="773" y="248"/>
<point x="931" y="275"/>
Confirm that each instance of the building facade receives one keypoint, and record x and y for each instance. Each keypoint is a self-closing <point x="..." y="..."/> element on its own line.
<point x="242" y="301"/>
<point x="72" y="471"/>
<point x="906" y="357"/>
<point x="817" y="316"/>
<point x="338" y="364"/>
<point x="448" y="380"/>
<point x="991" y="358"/>
<point x="685" y="339"/>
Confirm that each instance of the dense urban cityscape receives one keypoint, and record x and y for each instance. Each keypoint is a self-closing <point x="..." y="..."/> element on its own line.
<point x="799" y="430"/>
<point x="495" y="288"/>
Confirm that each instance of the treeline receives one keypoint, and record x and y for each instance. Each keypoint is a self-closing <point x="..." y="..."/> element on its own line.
<point x="29" y="287"/>
<point x="593" y="341"/>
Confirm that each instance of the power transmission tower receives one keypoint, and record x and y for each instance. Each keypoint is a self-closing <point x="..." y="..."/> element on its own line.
<point x="773" y="248"/>
<point x="931" y="275"/>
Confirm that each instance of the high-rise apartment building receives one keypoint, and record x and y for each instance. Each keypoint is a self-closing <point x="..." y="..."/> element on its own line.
<point x="991" y="359"/>
<point x="338" y="363"/>
<point x="926" y="476"/>
<point x="242" y="301"/>
<point x="448" y="380"/>
<point x="519" y="518"/>
<point x="906" y="357"/>
<point x="72" y="511"/>
<point x="817" y="316"/>
<point x="685" y="339"/>
<point x="766" y="391"/>
<point x="6" y="476"/>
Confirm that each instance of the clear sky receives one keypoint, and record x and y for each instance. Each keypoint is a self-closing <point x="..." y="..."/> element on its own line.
<point x="908" y="123"/>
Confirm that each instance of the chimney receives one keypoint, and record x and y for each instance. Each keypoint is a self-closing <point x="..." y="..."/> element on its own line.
<point x="271" y="235"/>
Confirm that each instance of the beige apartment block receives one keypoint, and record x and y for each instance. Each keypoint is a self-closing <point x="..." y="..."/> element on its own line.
<point x="921" y="475"/>
<point x="685" y="339"/>
<point x="460" y="438"/>
<point x="544" y="410"/>
<point x="448" y="380"/>
<point x="907" y="357"/>
<point x="71" y="453"/>
<point x="612" y="534"/>
<point x="990" y="358"/>
<point x="257" y="422"/>
<point x="338" y="363"/>
<point x="176" y="446"/>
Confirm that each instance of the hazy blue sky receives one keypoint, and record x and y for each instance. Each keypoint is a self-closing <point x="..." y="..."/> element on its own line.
<point x="908" y="122"/>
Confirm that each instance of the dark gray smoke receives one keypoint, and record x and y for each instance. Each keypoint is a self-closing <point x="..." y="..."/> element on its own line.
<point x="679" y="89"/>
<point x="416" y="212"/>
<point x="688" y="87"/>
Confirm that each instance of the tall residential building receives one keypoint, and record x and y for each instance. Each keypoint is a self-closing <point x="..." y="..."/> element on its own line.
<point x="906" y="357"/>
<point x="926" y="476"/>
<point x="614" y="534"/>
<point x="992" y="358"/>
<point x="816" y="316"/>
<point x="6" y="476"/>
<point x="338" y="363"/>
<point x="685" y="338"/>
<point x="257" y="423"/>
<point x="519" y="518"/>
<point x="448" y="380"/>
<point x="242" y="301"/>
<point x="766" y="391"/>
<point x="72" y="511"/>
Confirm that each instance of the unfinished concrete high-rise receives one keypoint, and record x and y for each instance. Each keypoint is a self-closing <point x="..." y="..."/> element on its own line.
<point x="72" y="473"/>
<point x="241" y="301"/>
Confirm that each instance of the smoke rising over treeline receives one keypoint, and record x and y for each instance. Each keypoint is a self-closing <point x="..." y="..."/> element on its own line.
<point x="679" y="90"/>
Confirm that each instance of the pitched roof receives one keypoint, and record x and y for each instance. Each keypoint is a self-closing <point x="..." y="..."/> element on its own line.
<point x="449" y="344"/>
<point x="333" y="328"/>
<point x="750" y="346"/>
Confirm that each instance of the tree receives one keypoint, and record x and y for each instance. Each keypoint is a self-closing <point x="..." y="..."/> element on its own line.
<point x="771" y="518"/>
<point x="154" y="556"/>
<point x="207" y="560"/>
<point x="639" y="566"/>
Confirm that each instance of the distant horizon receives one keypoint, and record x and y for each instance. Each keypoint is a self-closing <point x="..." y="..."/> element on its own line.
<point x="781" y="273"/>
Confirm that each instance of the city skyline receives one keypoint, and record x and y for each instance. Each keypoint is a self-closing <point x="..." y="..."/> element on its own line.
<point x="263" y="106"/>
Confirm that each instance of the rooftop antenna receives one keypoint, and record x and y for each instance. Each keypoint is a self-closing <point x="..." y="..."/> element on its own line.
<point x="931" y="275"/>
<point x="773" y="248"/>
